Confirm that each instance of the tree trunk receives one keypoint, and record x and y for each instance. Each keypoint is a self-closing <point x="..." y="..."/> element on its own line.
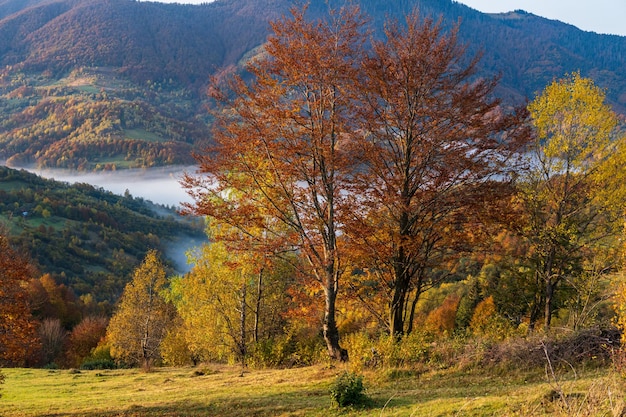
<point x="242" y="334"/>
<point x="396" y="325"/>
<point x="402" y="280"/>
<point x="418" y="292"/>
<point x="257" y="311"/>
<point x="535" y="313"/>
<point x="548" y="307"/>
<point x="331" y="333"/>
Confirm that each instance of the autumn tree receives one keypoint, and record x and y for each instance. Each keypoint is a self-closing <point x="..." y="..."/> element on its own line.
<point x="438" y="149"/>
<point x="563" y="219"/>
<point x="141" y="321"/>
<point x="84" y="337"/>
<point x="213" y="302"/>
<point x="18" y="330"/>
<point x="229" y="301"/>
<point x="53" y="337"/>
<point x="282" y="153"/>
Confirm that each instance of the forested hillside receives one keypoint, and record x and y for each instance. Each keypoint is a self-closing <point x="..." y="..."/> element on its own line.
<point x="107" y="84"/>
<point x="84" y="237"/>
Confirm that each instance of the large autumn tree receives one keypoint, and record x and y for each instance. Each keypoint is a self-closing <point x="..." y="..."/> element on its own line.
<point x="282" y="153"/>
<point x="18" y="329"/>
<point x="437" y="147"/>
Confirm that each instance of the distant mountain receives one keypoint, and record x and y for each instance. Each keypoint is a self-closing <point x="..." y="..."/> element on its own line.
<point x="107" y="84"/>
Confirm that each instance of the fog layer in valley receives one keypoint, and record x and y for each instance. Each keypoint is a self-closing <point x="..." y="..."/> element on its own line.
<point x="159" y="185"/>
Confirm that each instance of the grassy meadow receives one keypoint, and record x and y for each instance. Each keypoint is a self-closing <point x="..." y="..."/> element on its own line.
<point x="222" y="391"/>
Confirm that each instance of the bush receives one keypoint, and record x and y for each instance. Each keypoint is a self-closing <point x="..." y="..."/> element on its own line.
<point x="363" y="353"/>
<point x="90" y="365"/>
<point x="100" y="358"/>
<point x="287" y="350"/>
<point x="274" y="352"/>
<point x="348" y="390"/>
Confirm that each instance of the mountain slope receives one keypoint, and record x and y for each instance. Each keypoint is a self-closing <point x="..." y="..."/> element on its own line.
<point x="105" y="84"/>
<point x="87" y="238"/>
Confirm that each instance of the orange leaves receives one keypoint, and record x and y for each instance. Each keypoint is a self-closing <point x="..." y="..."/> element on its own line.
<point x="375" y="157"/>
<point x="18" y="331"/>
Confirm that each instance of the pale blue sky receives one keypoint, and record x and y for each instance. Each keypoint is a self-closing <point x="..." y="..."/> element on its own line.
<point x="602" y="16"/>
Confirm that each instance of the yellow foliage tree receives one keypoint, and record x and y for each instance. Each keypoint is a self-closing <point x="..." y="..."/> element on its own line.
<point x="209" y="301"/>
<point x="563" y="220"/>
<point x="141" y="321"/>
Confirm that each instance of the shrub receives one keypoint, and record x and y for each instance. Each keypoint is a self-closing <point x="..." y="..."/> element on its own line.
<point x="274" y="352"/>
<point x="288" y="350"/>
<point x="362" y="351"/>
<point x="100" y="358"/>
<point x="348" y="389"/>
<point x="98" y="364"/>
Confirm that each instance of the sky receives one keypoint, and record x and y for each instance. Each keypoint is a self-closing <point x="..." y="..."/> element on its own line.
<point x="601" y="16"/>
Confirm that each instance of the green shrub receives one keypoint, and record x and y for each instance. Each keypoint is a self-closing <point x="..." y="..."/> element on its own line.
<point x="98" y="364"/>
<point x="347" y="390"/>
<point x="100" y="358"/>
<point x="274" y="352"/>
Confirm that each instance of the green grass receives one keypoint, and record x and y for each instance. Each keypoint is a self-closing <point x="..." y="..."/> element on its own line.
<point x="301" y="392"/>
<point x="9" y="186"/>
<point x="141" y="134"/>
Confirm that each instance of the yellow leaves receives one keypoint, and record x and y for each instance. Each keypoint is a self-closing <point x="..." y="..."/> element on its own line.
<point x="572" y="122"/>
<point x="143" y="316"/>
<point x="620" y="309"/>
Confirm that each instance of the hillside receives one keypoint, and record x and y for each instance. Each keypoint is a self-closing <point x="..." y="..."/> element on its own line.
<point x="86" y="238"/>
<point x="108" y="84"/>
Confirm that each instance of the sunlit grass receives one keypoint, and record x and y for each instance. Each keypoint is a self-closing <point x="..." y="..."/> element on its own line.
<point x="221" y="391"/>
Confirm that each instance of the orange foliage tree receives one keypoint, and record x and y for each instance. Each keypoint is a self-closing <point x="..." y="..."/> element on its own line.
<point x="390" y="150"/>
<point x="282" y="154"/>
<point x="18" y="330"/>
<point x="437" y="146"/>
<point x="84" y="337"/>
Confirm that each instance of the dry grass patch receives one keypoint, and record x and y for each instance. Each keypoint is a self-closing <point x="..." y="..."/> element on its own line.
<point x="219" y="390"/>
